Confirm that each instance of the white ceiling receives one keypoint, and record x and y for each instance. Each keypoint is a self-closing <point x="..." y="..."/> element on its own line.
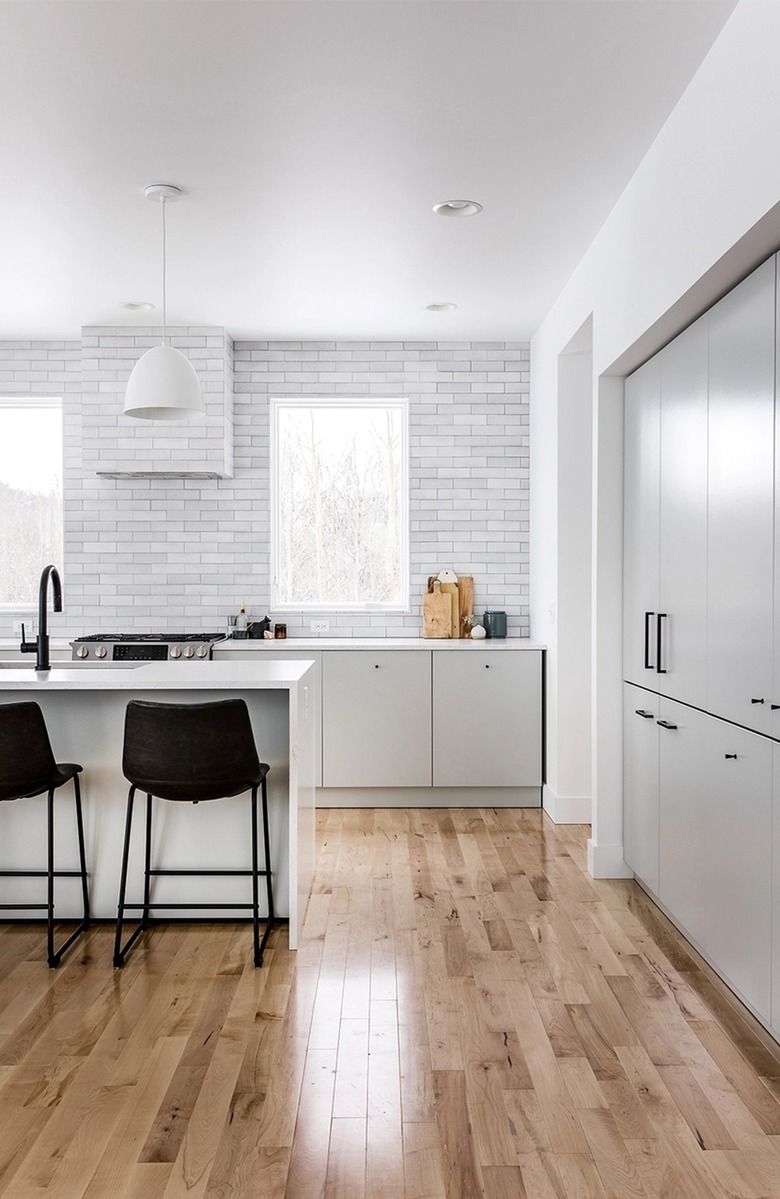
<point x="312" y="138"/>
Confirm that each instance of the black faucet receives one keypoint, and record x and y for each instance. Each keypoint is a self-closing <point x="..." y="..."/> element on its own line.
<point x="40" y="647"/>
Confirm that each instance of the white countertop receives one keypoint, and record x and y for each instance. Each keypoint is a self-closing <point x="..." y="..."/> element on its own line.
<point x="158" y="676"/>
<point x="309" y="644"/>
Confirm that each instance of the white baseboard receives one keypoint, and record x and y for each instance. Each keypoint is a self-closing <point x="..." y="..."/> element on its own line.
<point x="606" y="861"/>
<point x="429" y="797"/>
<point x="566" y="809"/>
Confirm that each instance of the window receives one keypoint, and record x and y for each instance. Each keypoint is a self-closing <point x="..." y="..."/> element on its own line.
<point x="30" y="496"/>
<point x="340" y="508"/>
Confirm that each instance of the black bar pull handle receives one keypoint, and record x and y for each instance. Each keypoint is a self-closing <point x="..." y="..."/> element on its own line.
<point x="727" y="756"/>
<point x="648" y="617"/>
<point x="665" y="724"/>
<point x="645" y="715"/>
<point x="756" y="701"/>
<point x="659" y="668"/>
<point x="774" y="707"/>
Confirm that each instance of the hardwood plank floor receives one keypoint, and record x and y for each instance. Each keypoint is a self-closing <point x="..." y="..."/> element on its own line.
<point x="469" y="1016"/>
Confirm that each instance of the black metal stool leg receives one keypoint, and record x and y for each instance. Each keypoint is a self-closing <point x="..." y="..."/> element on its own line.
<point x="147" y="862"/>
<point x="82" y="853"/>
<point x="119" y="952"/>
<point x="269" y="924"/>
<point x="266" y="845"/>
<point x="258" y="953"/>
<point x="53" y="959"/>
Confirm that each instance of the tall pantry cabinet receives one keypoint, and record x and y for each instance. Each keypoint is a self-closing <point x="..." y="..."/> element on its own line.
<point x="702" y="694"/>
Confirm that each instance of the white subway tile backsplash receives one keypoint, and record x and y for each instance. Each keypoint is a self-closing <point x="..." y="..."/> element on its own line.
<point x="164" y="553"/>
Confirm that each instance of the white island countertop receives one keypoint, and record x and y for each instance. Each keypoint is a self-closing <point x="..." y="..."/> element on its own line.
<point x="155" y="676"/>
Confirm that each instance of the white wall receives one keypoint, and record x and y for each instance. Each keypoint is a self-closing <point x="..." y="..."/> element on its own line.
<point x="701" y="211"/>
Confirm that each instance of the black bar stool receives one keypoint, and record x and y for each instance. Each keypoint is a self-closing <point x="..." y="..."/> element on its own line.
<point x="27" y="769"/>
<point x="191" y="753"/>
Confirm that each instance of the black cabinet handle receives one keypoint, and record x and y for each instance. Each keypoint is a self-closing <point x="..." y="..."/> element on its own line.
<point x="487" y="666"/>
<point x="756" y="701"/>
<point x="376" y="666"/>
<point x="727" y="756"/>
<point x="774" y="707"/>
<point x="665" y="724"/>
<point x="645" y="715"/>
<point x="648" y="618"/>
<point x="659" y="668"/>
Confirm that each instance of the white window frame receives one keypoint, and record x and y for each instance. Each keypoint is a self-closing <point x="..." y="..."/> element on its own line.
<point x="277" y="403"/>
<point x="54" y="402"/>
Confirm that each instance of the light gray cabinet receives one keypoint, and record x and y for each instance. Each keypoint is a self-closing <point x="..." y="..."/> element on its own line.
<point x="640" y="784"/>
<point x="641" y="522"/>
<point x="775" y="908"/>
<point x="715" y="788"/>
<point x="682" y="598"/>
<point x="665" y="521"/>
<point x="702" y="630"/>
<point x="736" y="860"/>
<point x="376" y="718"/>
<point x="487" y="719"/>
<point x="683" y="816"/>
<point x="740" y="517"/>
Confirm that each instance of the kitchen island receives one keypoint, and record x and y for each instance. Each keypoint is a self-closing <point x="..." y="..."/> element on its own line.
<point x="84" y="707"/>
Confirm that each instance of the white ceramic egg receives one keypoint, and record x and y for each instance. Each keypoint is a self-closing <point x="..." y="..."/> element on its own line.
<point x="478" y="633"/>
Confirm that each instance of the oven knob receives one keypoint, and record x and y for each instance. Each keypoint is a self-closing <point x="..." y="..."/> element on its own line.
<point x="201" y="652"/>
<point x="188" y="651"/>
<point x="175" y="651"/>
<point x="82" y="651"/>
<point x="100" y="652"/>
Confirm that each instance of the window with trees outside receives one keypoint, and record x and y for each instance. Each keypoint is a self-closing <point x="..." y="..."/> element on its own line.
<point x="30" y="496"/>
<point x="339" y="482"/>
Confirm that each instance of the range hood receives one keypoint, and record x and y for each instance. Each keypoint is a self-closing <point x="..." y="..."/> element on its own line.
<point x="117" y="447"/>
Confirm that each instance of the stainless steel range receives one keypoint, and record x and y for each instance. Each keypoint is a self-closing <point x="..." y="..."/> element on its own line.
<point x="106" y="648"/>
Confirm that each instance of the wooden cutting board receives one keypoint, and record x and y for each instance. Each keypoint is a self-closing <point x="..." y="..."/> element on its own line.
<point x="451" y="589"/>
<point x="465" y="603"/>
<point x="437" y="614"/>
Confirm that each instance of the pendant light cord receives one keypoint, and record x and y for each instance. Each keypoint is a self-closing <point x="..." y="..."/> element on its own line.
<point x="164" y="307"/>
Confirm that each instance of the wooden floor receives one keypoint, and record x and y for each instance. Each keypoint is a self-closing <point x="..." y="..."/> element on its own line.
<point x="469" y="1015"/>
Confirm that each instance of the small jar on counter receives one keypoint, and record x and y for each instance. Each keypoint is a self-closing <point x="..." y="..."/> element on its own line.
<point x="280" y="631"/>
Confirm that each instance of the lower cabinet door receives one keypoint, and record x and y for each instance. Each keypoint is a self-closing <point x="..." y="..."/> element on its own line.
<point x="640" y="783"/>
<point x="376" y="718"/>
<point x="775" y="1021"/>
<point x="682" y="765"/>
<point x="737" y="860"/>
<point x="487" y="718"/>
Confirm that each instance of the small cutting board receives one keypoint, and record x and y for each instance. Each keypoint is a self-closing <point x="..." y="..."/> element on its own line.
<point x="465" y="603"/>
<point x="437" y="614"/>
<point x="451" y="589"/>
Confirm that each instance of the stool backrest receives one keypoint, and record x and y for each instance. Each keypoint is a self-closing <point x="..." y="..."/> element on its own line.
<point x="26" y="755"/>
<point x="200" y="745"/>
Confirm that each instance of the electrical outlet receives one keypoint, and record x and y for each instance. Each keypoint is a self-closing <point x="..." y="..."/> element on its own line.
<point x="320" y="626"/>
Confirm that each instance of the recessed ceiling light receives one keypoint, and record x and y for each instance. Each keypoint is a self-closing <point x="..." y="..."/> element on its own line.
<point x="457" y="208"/>
<point x="441" y="307"/>
<point x="137" y="305"/>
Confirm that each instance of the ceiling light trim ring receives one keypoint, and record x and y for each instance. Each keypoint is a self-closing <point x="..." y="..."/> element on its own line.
<point x="457" y="208"/>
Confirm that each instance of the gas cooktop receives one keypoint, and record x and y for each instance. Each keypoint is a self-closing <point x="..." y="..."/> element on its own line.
<point x="144" y="647"/>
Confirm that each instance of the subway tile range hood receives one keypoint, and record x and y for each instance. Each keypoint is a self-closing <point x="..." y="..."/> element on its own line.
<point x="117" y="447"/>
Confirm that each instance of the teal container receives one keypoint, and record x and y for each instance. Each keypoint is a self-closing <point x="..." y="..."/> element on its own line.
<point x="495" y="624"/>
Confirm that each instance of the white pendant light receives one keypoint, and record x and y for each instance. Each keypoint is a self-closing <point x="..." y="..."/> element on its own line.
<point x="163" y="384"/>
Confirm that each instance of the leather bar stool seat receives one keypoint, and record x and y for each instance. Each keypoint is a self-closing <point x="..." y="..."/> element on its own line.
<point x="28" y="769"/>
<point x="193" y="753"/>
